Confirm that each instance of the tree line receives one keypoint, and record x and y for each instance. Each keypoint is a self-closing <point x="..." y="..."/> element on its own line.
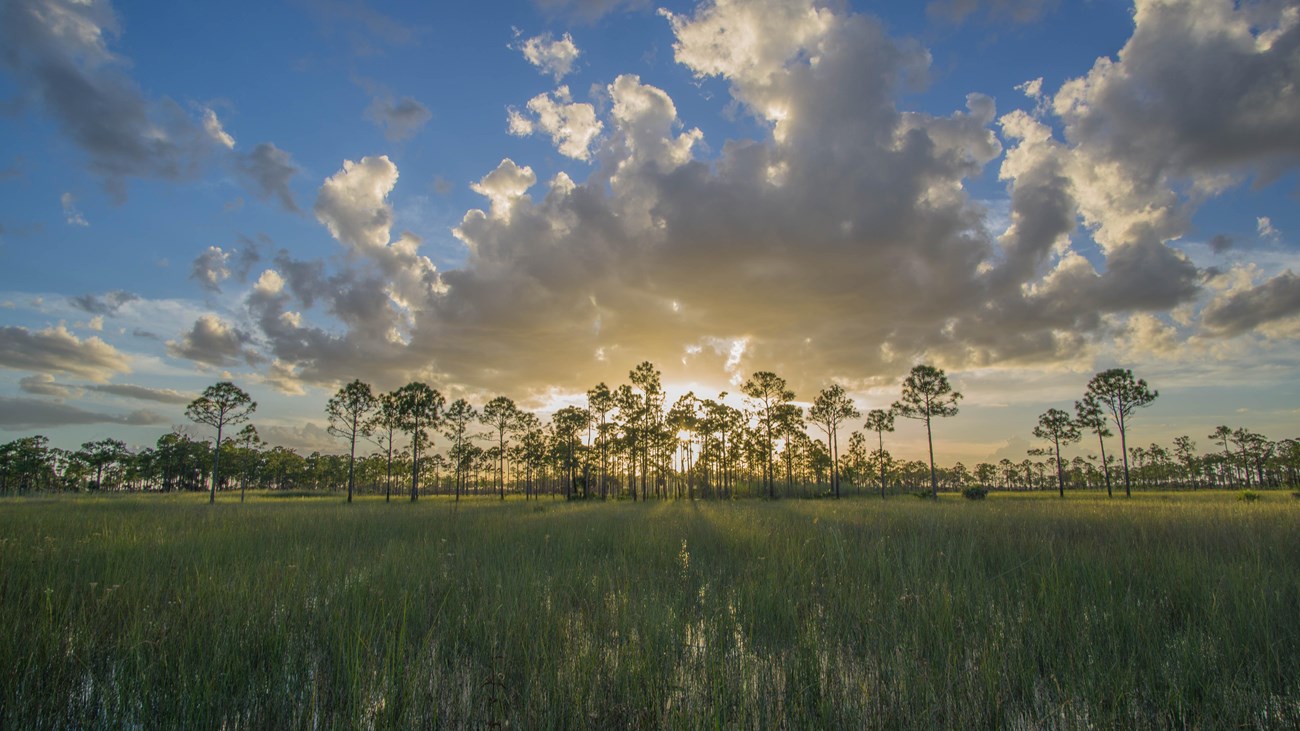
<point x="629" y="443"/>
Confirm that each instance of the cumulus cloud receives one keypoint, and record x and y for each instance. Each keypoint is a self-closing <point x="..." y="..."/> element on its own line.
<point x="25" y="413"/>
<point x="214" y="342"/>
<point x="573" y="127"/>
<point x="1203" y="90"/>
<point x="269" y="170"/>
<point x="54" y="349"/>
<point x="750" y="259"/>
<point x="551" y="56"/>
<point x="401" y="118"/>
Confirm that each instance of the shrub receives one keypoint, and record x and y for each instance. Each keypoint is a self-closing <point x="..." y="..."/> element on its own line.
<point x="975" y="493"/>
<point x="1248" y="496"/>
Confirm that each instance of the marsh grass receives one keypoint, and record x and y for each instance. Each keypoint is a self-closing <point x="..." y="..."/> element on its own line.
<point x="1017" y="612"/>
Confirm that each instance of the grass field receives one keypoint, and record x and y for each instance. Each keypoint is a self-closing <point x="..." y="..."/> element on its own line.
<point x="1030" y="612"/>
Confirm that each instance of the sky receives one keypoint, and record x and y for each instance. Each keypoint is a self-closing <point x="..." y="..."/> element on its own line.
<point x="533" y="198"/>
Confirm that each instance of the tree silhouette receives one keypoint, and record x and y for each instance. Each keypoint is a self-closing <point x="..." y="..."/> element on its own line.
<point x="502" y="415"/>
<point x="767" y="391"/>
<point x="881" y="421"/>
<point x="1057" y="427"/>
<point x="246" y="444"/>
<point x="1117" y="392"/>
<point x="455" y="421"/>
<point x="684" y="416"/>
<point x="927" y="394"/>
<point x="600" y="401"/>
<point x="567" y="422"/>
<point x="384" y="423"/>
<point x="1088" y="415"/>
<point x="831" y="408"/>
<point x="418" y="410"/>
<point x="102" y="453"/>
<point x="790" y="425"/>
<point x="349" y="413"/>
<point x="222" y="404"/>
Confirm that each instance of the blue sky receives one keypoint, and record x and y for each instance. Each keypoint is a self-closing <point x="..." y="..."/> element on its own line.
<point x="1022" y="191"/>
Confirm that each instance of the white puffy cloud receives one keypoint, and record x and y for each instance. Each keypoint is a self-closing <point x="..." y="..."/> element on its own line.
<point x="504" y="186"/>
<point x="573" y="127"/>
<point x="751" y="258"/>
<point x="1203" y="90"/>
<point x="353" y="204"/>
<point x="551" y="56"/>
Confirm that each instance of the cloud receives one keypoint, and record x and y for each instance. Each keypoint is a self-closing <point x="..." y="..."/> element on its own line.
<point x="1242" y="310"/>
<point x="399" y="118"/>
<point x="43" y="384"/>
<point x="211" y="268"/>
<point x="107" y="304"/>
<point x="214" y="342"/>
<point x="1220" y="243"/>
<point x="269" y="170"/>
<point x="551" y="56"/>
<point x="142" y="393"/>
<point x="70" y="212"/>
<point x="573" y="127"/>
<point x="54" y="349"/>
<point x="305" y="438"/>
<point x="748" y="258"/>
<point x="212" y="126"/>
<point x="58" y="52"/>
<point x="25" y="413"/>
<point x="1203" y="90"/>
<point x="1264" y="227"/>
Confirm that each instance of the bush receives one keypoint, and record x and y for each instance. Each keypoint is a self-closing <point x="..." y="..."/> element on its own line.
<point x="975" y="493"/>
<point x="1248" y="496"/>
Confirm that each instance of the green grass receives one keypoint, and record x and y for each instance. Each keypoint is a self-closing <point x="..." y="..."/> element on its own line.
<point x="163" y="612"/>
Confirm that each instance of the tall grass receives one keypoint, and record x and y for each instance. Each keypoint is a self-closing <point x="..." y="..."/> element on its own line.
<point x="163" y="612"/>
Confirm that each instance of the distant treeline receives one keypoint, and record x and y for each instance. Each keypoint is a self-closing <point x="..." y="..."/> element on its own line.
<point x="629" y="443"/>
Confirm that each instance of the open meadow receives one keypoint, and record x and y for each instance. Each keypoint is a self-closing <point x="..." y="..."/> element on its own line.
<point x="304" y="612"/>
